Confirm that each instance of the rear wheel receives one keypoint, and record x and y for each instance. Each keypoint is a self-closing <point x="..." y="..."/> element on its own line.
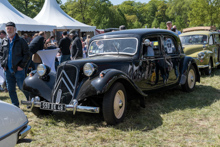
<point x="190" y="80"/>
<point x="114" y="104"/>
<point x="208" y="70"/>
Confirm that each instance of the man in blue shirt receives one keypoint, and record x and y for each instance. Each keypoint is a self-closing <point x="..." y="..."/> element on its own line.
<point x="14" y="55"/>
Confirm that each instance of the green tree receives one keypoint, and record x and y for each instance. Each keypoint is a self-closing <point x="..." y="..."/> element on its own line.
<point x="29" y="7"/>
<point x="155" y="23"/>
<point x="163" y="25"/>
<point x="150" y="12"/>
<point x="204" y="11"/>
<point x="161" y="11"/>
<point x="178" y="11"/>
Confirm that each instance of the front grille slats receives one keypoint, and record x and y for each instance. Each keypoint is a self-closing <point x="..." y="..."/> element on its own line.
<point x="66" y="80"/>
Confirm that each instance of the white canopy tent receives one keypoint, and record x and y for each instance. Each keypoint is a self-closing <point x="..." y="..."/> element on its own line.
<point x="52" y="14"/>
<point x="23" y="23"/>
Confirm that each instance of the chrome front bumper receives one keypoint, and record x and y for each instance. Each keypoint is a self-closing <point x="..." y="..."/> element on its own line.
<point x="35" y="102"/>
<point x="203" y="66"/>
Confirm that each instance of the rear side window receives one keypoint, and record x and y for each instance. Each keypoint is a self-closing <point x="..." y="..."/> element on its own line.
<point x="217" y="38"/>
<point x="169" y="46"/>
<point x="210" y="40"/>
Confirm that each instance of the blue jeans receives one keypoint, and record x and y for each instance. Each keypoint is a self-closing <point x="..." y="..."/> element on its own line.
<point x="64" y="58"/>
<point x="11" y="79"/>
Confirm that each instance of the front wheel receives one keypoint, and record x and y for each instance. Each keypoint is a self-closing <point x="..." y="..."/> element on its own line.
<point x="114" y="104"/>
<point x="190" y="80"/>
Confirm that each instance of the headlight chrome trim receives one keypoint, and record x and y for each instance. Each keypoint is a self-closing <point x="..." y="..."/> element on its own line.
<point x="89" y="69"/>
<point x="41" y="72"/>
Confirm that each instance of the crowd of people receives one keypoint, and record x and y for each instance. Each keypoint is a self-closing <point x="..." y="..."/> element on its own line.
<point x="18" y="53"/>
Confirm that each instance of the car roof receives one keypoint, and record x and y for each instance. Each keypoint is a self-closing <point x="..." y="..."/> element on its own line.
<point x="134" y="32"/>
<point x="197" y="33"/>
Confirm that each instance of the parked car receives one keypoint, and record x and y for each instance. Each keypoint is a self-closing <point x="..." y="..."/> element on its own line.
<point x="204" y="47"/>
<point x="121" y="65"/>
<point x="13" y="124"/>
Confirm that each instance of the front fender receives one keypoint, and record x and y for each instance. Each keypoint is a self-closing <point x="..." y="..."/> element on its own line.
<point x="185" y="64"/>
<point x="100" y="85"/>
<point x="39" y="87"/>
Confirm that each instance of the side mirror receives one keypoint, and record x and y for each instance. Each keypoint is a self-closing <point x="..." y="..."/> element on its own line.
<point x="147" y="42"/>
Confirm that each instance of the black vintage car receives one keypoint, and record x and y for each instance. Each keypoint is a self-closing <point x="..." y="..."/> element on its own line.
<point x="121" y="65"/>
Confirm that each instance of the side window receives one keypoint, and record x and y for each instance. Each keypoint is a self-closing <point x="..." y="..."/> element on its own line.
<point x="169" y="46"/>
<point x="210" y="40"/>
<point x="217" y="38"/>
<point x="151" y="47"/>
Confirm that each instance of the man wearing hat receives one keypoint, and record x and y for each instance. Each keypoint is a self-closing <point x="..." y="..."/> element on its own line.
<point x="14" y="55"/>
<point x="76" y="47"/>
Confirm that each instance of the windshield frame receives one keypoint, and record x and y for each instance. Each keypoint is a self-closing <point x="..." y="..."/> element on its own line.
<point x="113" y="53"/>
<point x="207" y="41"/>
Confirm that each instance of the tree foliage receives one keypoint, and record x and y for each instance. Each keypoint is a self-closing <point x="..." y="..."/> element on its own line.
<point x="29" y="7"/>
<point x="103" y="14"/>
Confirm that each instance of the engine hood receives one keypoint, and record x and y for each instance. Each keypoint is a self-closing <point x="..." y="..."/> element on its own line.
<point x="191" y="49"/>
<point x="119" y="62"/>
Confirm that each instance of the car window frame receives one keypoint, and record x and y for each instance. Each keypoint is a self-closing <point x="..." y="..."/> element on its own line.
<point x="159" y="44"/>
<point x="107" y="53"/>
<point x="175" y="44"/>
<point x="211" y="35"/>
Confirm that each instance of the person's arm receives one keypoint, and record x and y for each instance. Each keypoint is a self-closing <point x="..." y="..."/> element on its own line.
<point x="1" y="54"/>
<point x="26" y="53"/>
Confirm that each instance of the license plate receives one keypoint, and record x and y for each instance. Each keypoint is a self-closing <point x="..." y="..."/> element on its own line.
<point x="52" y="106"/>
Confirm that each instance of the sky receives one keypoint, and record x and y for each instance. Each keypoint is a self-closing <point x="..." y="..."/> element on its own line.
<point x="116" y="2"/>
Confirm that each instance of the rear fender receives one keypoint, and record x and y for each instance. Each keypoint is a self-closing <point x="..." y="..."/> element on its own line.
<point x="38" y="87"/>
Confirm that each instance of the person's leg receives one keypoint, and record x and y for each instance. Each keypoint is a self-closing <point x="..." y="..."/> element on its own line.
<point x="64" y="58"/>
<point x="11" y="86"/>
<point x="27" y="67"/>
<point x="20" y="76"/>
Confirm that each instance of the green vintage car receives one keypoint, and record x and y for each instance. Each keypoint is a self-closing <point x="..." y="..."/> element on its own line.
<point x="204" y="47"/>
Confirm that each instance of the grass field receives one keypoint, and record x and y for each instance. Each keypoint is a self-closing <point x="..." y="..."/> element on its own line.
<point x="171" y="118"/>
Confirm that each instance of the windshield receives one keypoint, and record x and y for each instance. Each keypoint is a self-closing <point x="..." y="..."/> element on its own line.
<point x="113" y="46"/>
<point x="193" y="39"/>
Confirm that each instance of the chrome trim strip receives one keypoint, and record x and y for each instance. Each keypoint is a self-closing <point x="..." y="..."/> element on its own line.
<point x="24" y="132"/>
<point x="69" y="80"/>
<point x="203" y="66"/>
<point x="13" y="131"/>
<point x="62" y="79"/>
<point x="67" y="86"/>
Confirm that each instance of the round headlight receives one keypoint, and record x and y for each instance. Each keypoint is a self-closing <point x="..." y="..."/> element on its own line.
<point x="88" y="69"/>
<point x="41" y="69"/>
<point x="201" y="55"/>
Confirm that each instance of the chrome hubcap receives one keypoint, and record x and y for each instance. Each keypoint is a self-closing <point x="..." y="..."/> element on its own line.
<point x="191" y="78"/>
<point x="119" y="106"/>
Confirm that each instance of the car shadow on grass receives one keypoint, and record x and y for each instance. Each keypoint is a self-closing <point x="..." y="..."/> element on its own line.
<point x="149" y="118"/>
<point x="166" y="102"/>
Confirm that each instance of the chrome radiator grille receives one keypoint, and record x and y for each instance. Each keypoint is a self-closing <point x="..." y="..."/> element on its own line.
<point x="65" y="85"/>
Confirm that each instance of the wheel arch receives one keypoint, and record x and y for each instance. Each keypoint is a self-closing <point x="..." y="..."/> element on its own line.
<point x="186" y="62"/>
<point x="100" y="85"/>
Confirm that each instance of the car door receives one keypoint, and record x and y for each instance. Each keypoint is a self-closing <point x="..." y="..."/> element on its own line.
<point x="213" y="48"/>
<point x="172" y="56"/>
<point x="217" y="43"/>
<point x="152" y="64"/>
